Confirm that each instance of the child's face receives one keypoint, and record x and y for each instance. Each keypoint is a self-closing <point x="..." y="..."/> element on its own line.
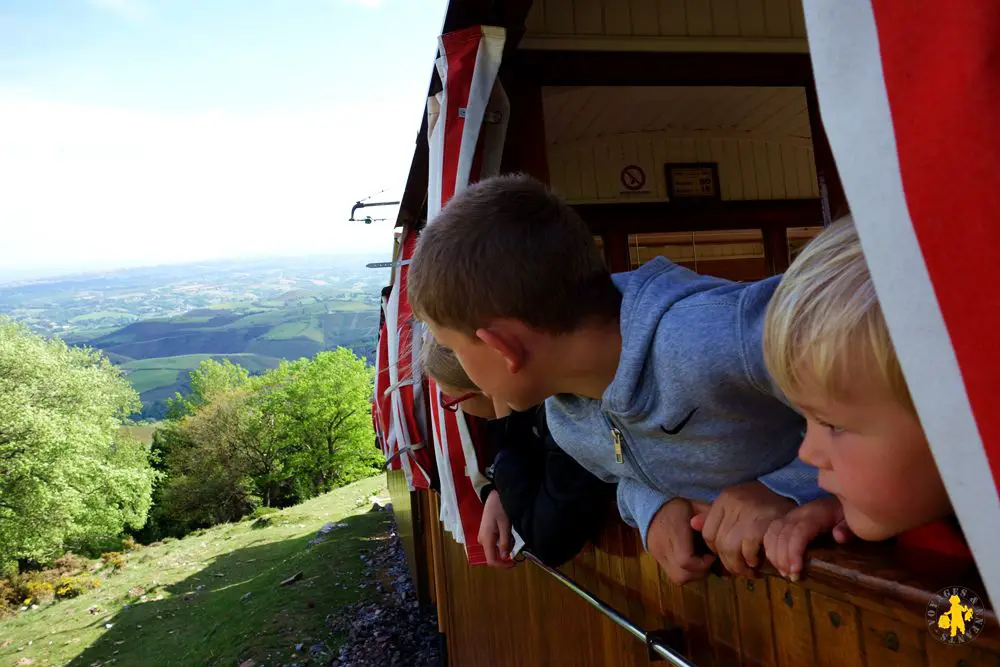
<point x="478" y="405"/>
<point x="872" y="454"/>
<point x="497" y="372"/>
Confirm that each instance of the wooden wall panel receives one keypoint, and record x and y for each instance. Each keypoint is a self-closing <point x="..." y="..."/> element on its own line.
<point x="780" y="21"/>
<point x="590" y="171"/>
<point x="792" y="623"/>
<point x="525" y="617"/>
<point x="835" y="628"/>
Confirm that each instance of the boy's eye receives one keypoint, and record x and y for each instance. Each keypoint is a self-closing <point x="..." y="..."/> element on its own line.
<point x="833" y="429"/>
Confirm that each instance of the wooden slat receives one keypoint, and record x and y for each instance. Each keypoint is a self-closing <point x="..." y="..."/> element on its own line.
<point x="726" y="17"/>
<point x="722" y="620"/>
<point x="559" y="17"/>
<point x="752" y="18"/>
<point x="792" y="622"/>
<point x="673" y="17"/>
<point x="699" y="17"/>
<point x="535" y="22"/>
<point x="777" y="171"/>
<point x="698" y="633"/>
<point x="965" y="655"/>
<point x="589" y="17"/>
<point x="617" y="18"/>
<point x="890" y="643"/>
<point x="798" y="19"/>
<point x="777" y="18"/>
<point x="790" y="168"/>
<point x="748" y="168"/>
<point x="753" y="606"/>
<point x="835" y="627"/>
<point x="645" y="17"/>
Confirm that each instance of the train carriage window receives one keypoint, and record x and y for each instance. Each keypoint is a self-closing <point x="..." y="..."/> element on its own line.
<point x="736" y="254"/>
<point x="798" y="238"/>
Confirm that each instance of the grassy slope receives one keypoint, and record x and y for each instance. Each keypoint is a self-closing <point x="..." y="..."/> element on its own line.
<point x="215" y="626"/>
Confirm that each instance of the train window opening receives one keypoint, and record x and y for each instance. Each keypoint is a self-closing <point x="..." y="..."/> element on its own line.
<point x="736" y="254"/>
<point x="799" y="238"/>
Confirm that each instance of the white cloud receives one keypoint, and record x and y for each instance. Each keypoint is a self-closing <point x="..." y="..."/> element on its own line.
<point x="133" y="10"/>
<point x="107" y="184"/>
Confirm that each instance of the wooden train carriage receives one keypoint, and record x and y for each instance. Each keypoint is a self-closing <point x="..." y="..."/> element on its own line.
<point x="687" y="128"/>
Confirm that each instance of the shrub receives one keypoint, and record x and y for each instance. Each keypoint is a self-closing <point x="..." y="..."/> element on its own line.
<point x="130" y="544"/>
<point x="70" y="563"/>
<point x="71" y="587"/>
<point x="39" y="591"/>
<point x="8" y="596"/>
<point x="262" y="511"/>
<point x="113" y="559"/>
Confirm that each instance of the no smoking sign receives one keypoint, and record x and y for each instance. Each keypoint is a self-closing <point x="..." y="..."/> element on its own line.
<point x="633" y="178"/>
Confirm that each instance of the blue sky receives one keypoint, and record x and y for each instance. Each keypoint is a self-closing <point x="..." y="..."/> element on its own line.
<point x="149" y="131"/>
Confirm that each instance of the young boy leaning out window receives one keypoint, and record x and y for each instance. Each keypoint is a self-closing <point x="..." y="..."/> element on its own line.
<point x="827" y="347"/>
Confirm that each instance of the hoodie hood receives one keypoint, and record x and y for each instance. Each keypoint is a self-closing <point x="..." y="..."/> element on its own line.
<point x="647" y="294"/>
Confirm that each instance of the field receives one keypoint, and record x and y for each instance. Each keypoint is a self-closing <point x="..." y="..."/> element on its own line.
<point x="159" y="323"/>
<point x="215" y="597"/>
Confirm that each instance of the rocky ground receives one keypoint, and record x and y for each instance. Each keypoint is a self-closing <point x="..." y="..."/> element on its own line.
<point x="393" y="630"/>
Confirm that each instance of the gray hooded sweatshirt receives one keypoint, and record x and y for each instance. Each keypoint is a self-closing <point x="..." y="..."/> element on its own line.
<point x="691" y="409"/>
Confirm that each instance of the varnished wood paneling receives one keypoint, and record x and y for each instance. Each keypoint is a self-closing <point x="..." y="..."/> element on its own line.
<point x="792" y="623"/>
<point x="587" y="172"/>
<point x="722" y="620"/>
<point x="890" y="643"/>
<point x="525" y="617"/>
<point x="753" y="607"/>
<point x="835" y="628"/>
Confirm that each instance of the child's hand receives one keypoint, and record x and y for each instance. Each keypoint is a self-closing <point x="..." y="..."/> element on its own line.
<point x="670" y="542"/>
<point x="786" y="538"/>
<point x="494" y="533"/>
<point x="734" y="525"/>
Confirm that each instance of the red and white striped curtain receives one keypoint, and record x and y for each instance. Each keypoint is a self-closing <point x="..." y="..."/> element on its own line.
<point x="909" y="93"/>
<point x="467" y="123"/>
<point x="399" y="405"/>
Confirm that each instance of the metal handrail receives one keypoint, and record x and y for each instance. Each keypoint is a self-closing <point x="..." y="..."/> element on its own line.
<point x="655" y="645"/>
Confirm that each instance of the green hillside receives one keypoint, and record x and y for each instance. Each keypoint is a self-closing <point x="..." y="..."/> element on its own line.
<point x="158" y="354"/>
<point x="216" y="597"/>
<point x="149" y="375"/>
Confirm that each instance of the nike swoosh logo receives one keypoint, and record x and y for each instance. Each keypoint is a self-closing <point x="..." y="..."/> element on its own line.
<point x="677" y="429"/>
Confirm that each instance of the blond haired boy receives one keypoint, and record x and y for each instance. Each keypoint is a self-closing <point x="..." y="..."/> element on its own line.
<point x="653" y="379"/>
<point x="827" y="347"/>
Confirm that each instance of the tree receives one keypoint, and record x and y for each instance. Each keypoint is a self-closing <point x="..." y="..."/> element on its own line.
<point x="69" y="473"/>
<point x="210" y="379"/>
<point x="318" y="414"/>
<point x="210" y="462"/>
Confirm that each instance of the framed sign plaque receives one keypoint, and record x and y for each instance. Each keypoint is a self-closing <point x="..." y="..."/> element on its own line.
<point x="692" y="180"/>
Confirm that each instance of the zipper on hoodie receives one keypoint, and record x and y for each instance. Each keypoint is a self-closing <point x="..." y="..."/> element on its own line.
<point x="623" y="453"/>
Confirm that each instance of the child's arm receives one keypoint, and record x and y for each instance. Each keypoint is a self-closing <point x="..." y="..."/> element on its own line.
<point x="555" y="504"/>
<point x="787" y="538"/>
<point x="664" y="524"/>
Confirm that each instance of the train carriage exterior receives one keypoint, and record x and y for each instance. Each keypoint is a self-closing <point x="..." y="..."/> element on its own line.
<point x="689" y="129"/>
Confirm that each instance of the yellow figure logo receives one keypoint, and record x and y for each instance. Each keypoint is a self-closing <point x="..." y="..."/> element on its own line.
<point x="955" y="615"/>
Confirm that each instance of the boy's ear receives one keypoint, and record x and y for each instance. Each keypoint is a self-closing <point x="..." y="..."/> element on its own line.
<point x="507" y="344"/>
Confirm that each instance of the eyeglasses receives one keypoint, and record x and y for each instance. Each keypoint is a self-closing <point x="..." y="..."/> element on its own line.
<point x="451" y="404"/>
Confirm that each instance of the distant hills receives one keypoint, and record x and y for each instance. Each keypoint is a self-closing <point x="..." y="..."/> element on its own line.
<point x="159" y="323"/>
<point x="157" y="354"/>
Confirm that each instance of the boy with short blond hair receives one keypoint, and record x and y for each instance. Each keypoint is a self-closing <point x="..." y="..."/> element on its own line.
<point x="653" y="379"/>
<point x="828" y="348"/>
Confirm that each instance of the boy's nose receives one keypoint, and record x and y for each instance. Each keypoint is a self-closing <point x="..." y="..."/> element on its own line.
<point x="812" y="450"/>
